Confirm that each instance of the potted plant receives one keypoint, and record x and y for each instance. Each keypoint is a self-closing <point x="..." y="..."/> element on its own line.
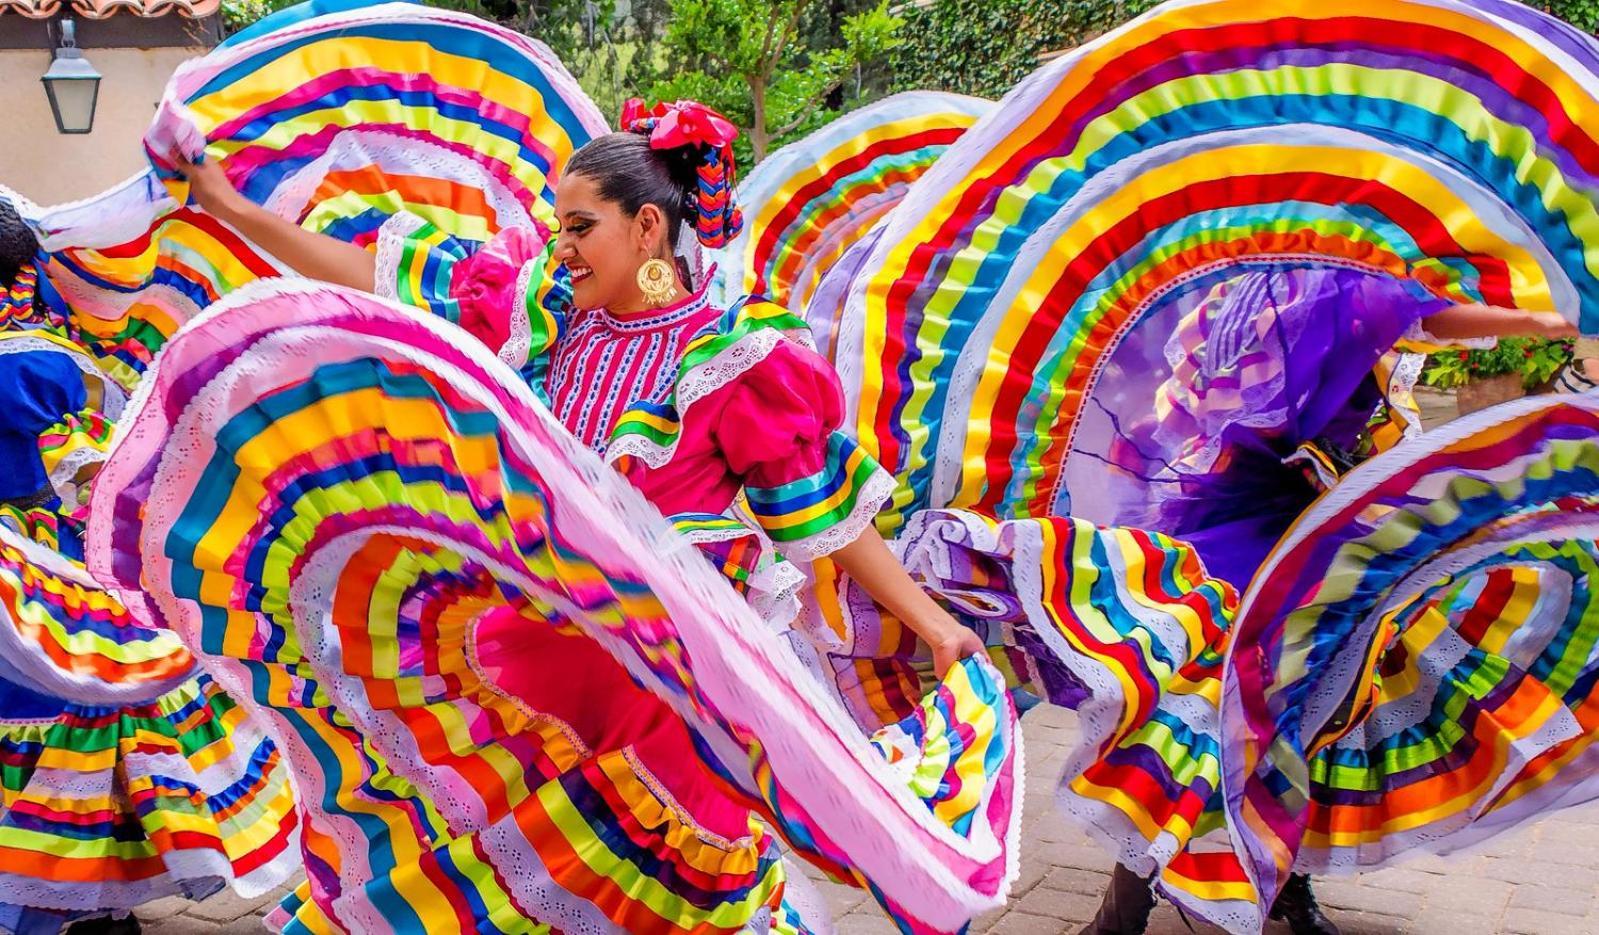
<point x="1508" y="370"/>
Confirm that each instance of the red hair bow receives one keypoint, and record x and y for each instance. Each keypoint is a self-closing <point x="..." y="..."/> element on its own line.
<point x="683" y="123"/>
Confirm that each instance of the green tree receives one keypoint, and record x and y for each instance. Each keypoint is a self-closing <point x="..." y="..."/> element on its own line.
<point x="237" y="14"/>
<point x="569" y="27"/>
<point x="768" y="66"/>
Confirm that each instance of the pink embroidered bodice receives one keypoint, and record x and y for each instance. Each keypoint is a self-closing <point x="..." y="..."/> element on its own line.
<point x="605" y="363"/>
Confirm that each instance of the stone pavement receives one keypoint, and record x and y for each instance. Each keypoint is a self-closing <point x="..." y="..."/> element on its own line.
<point x="1543" y="880"/>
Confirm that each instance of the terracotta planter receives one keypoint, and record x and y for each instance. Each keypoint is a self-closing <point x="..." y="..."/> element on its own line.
<point x="1437" y="406"/>
<point x="1480" y="394"/>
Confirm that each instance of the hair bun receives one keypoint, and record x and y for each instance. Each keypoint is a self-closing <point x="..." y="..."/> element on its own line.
<point x="683" y="162"/>
<point x="705" y="138"/>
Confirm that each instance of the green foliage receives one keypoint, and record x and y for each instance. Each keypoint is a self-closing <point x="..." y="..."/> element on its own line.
<point x="1583" y="14"/>
<point x="769" y="65"/>
<point x="570" y="27"/>
<point x="237" y="14"/>
<point x="603" y="72"/>
<point x="984" y="47"/>
<point x="1536" y="360"/>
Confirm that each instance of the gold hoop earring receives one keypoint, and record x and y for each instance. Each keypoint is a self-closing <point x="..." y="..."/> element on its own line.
<point x="657" y="282"/>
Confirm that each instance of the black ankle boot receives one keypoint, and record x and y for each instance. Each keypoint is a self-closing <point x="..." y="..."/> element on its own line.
<point x="106" y="925"/>
<point x="1296" y="905"/>
<point x="1126" y="906"/>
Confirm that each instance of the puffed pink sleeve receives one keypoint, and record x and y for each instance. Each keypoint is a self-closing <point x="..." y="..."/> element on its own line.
<point x="777" y="426"/>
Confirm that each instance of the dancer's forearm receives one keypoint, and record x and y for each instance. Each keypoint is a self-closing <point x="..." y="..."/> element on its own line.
<point x="869" y="562"/>
<point x="1469" y="321"/>
<point x="308" y="253"/>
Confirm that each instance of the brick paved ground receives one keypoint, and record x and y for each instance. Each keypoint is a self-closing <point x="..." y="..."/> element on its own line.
<point x="1541" y="881"/>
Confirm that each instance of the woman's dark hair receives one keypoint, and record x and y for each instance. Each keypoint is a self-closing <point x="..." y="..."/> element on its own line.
<point x="18" y="246"/>
<point x="625" y="170"/>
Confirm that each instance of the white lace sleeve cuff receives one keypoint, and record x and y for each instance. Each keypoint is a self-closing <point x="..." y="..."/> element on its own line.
<point x="393" y="237"/>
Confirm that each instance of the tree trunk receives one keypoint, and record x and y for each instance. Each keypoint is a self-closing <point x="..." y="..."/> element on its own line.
<point x="759" y="138"/>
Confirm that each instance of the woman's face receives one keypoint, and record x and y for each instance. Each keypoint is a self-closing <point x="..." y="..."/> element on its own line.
<point x="601" y="246"/>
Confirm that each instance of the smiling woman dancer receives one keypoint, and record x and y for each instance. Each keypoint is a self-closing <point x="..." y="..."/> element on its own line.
<point x="629" y="316"/>
<point x="608" y="348"/>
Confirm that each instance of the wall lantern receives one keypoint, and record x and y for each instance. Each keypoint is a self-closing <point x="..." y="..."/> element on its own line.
<point x="72" y="84"/>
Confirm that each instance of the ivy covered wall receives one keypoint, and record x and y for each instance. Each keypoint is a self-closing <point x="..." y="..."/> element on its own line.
<point x="1583" y="14"/>
<point x="984" y="47"/>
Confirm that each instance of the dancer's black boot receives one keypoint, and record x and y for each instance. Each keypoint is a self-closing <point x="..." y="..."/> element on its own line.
<point x="1126" y="906"/>
<point x="1296" y="905"/>
<point x="106" y="925"/>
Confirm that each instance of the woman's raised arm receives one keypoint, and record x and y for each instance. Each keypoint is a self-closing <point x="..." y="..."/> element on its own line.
<point x="308" y="253"/>
<point x="1467" y="321"/>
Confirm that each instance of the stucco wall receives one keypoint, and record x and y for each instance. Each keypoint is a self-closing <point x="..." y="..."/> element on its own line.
<point x="51" y="167"/>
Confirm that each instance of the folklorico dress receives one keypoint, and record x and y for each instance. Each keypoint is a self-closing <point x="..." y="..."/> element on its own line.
<point x="128" y="774"/>
<point x="765" y="417"/>
<point x="737" y="441"/>
<point x="510" y="696"/>
<point x="494" y="720"/>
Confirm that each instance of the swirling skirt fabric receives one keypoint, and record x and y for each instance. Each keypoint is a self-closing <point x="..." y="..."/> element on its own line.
<point x="125" y="773"/>
<point x="509" y="691"/>
<point x="1017" y="284"/>
<point x="337" y="116"/>
<point x="1421" y="673"/>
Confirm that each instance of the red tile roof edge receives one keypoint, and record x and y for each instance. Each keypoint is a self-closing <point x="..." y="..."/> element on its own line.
<point x="103" y="9"/>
